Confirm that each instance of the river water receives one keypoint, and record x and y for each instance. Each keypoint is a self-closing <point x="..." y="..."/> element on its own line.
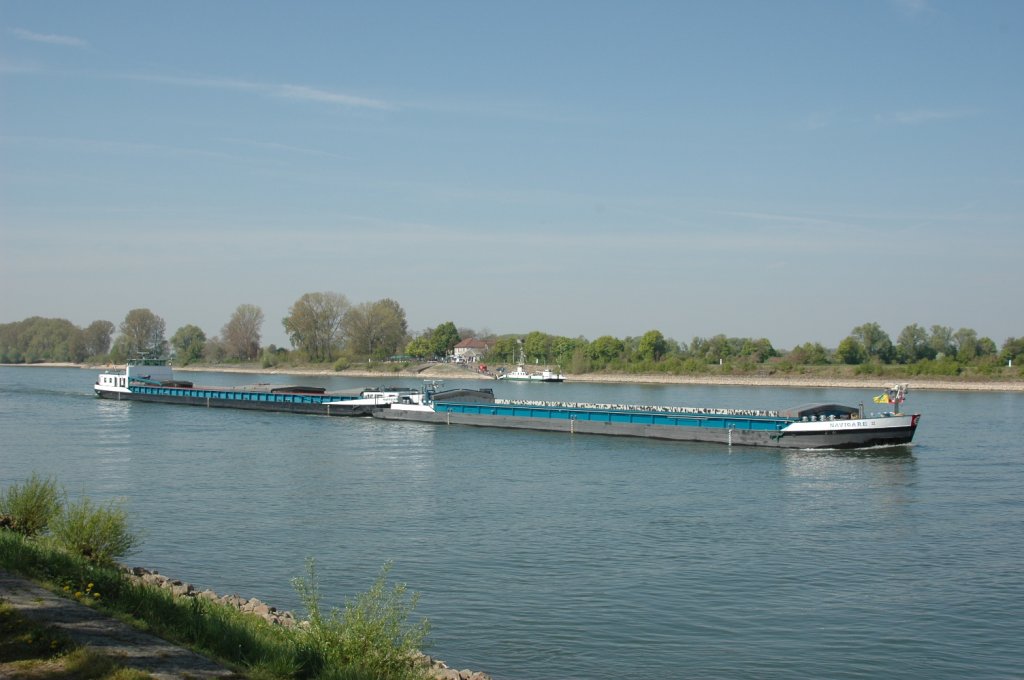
<point x="544" y="555"/>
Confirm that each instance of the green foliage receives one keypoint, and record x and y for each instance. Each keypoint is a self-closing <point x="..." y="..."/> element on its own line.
<point x="377" y="329"/>
<point x="444" y="338"/>
<point x="537" y="347"/>
<point x="256" y="647"/>
<point x="373" y="634"/>
<point x="652" y="345"/>
<point x="912" y="345"/>
<point x="944" y="367"/>
<point x="97" y="532"/>
<point x="97" y="337"/>
<point x="241" y="334"/>
<point x="37" y="339"/>
<point x="504" y="349"/>
<point x="189" y="343"/>
<point x="29" y="508"/>
<point x="1013" y="350"/>
<point x="142" y="332"/>
<point x="419" y="347"/>
<point x="314" y="324"/>
<point x="807" y="354"/>
<point x="851" y="351"/>
<point x="606" y="348"/>
<point x="273" y="356"/>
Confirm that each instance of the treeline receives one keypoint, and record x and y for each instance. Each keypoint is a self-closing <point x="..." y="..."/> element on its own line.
<point x="37" y="339"/>
<point x="325" y="328"/>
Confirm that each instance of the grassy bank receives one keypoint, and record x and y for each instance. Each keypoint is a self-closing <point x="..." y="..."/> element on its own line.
<point x="70" y="548"/>
<point x="324" y="648"/>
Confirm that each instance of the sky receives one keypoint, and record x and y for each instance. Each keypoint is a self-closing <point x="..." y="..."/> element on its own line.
<point x="784" y="170"/>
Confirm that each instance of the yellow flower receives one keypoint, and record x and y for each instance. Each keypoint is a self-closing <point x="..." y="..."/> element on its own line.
<point x="96" y="595"/>
<point x="78" y="593"/>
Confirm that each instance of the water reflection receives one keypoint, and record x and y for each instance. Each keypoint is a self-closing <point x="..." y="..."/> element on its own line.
<point x="851" y="485"/>
<point x="111" y="429"/>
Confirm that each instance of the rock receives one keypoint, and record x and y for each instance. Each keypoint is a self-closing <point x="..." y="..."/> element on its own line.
<point x="182" y="590"/>
<point x="439" y="669"/>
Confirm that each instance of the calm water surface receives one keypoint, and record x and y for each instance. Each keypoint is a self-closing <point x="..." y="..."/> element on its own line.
<point x="539" y="555"/>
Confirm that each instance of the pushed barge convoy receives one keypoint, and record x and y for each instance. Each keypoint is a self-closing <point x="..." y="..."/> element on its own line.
<point x="814" y="426"/>
<point x="153" y="380"/>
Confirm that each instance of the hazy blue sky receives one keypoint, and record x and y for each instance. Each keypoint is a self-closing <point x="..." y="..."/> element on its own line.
<point x="784" y="169"/>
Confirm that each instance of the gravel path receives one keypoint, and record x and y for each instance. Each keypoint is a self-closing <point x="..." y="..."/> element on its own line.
<point x="86" y="626"/>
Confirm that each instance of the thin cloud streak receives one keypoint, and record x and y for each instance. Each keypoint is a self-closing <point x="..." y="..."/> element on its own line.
<point x="278" y="90"/>
<point x="922" y="116"/>
<point x="49" y="38"/>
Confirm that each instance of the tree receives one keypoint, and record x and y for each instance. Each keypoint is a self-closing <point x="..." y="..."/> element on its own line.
<point x="314" y="324"/>
<point x="97" y="337"/>
<point x="241" y="334"/>
<point x="537" y="346"/>
<point x="652" y="346"/>
<point x="376" y="329"/>
<point x="606" y="348"/>
<point x="719" y="349"/>
<point x="874" y="340"/>
<point x="188" y="343"/>
<point x="504" y="349"/>
<point x="1013" y="350"/>
<point x="419" y="346"/>
<point x="444" y="338"/>
<point x="851" y="351"/>
<point x="565" y="349"/>
<point x="966" y="341"/>
<point x="808" y="354"/>
<point x="986" y="347"/>
<point x="214" y="351"/>
<point x="912" y="345"/>
<point x="940" y="338"/>
<point x="142" y="332"/>
<point x="38" y="339"/>
<point x="760" y="350"/>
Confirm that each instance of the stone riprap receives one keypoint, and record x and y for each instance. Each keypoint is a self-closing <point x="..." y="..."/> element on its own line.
<point x="256" y="607"/>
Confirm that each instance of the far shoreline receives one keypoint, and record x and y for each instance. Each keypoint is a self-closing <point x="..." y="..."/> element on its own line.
<point x="449" y="372"/>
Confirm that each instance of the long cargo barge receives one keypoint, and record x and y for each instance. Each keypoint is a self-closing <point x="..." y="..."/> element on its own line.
<point x="812" y="426"/>
<point x="822" y="425"/>
<point x="152" y="380"/>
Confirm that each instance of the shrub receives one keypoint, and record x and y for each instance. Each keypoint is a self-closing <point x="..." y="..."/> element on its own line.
<point x="28" y="509"/>
<point x="98" y="533"/>
<point x="373" y="634"/>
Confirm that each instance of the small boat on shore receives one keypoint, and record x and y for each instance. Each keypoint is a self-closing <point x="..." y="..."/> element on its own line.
<point x="152" y="380"/>
<point x="521" y="374"/>
<point x="812" y="426"/>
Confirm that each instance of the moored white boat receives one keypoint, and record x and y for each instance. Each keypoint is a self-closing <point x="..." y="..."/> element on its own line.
<point x="521" y="374"/>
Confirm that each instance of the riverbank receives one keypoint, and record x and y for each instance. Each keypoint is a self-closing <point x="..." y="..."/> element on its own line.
<point x="458" y="372"/>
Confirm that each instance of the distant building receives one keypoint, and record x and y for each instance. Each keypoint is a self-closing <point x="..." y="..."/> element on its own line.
<point x="470" y="350"/>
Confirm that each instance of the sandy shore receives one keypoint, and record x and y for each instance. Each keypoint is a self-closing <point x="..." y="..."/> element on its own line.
<point x="449" y="372"/>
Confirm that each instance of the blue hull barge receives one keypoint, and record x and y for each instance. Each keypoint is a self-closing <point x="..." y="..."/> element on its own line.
<point x="814" y="426"/>
<point x="152" y="380"/>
